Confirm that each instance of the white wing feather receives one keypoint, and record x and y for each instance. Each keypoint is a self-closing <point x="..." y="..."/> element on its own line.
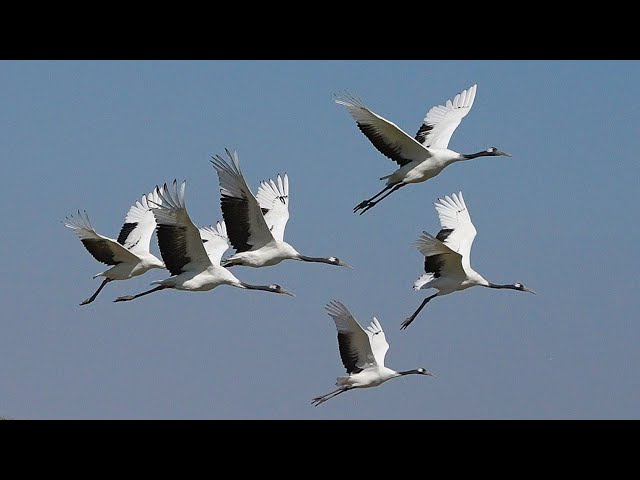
<point x="215" y="241"/>
<point x="274" y="198"/>
<point x="453" y="214"/>
<point x="378" y="341"/>
<point x="444" y="119"/>
<point x="137" y="239"/>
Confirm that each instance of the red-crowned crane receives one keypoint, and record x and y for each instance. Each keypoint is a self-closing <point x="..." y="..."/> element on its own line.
<point x="447" y="262"/>
<point x="362" y="353"/>
<point x="255" y="224"/>
<point x="129" y="255"/>
<point x="421" y="157"/>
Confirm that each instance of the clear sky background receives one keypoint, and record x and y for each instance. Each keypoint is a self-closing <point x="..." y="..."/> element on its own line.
<point x="560" y="216"/>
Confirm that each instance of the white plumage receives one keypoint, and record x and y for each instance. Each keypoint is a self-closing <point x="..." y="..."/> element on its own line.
<point x="273" y="199"/>
<point x="256" y="224"/>
<point x="447" y="255"/>
<point x="215" y="241"/>
<point x="362" y="353"/>
<point x="421" y="157"/>
<point x="193" y="266"/>
<point x="129" y="255"/>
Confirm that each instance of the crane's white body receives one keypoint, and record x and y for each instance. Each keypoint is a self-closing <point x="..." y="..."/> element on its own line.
<point x="362" y="353"/>
<point x="203" y="279"/>
<point x="417" y="171"/>
<point x="267" y="255"/>
<point x="371" y="377"/>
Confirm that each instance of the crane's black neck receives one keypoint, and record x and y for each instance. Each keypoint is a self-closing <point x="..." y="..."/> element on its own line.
<point x="248" y="286"/>
<point x="496" y="285"/>
<point x="315" y="259"/>
<point x="409" y="372"/>
<point x="469" y="156"/>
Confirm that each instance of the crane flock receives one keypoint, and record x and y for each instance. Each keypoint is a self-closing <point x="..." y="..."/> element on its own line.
<point x="254" y="227"/>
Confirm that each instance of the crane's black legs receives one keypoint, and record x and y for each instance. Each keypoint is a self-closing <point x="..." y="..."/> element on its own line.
<point x="367" y="204"/>
<point x="408" y="321"/>
<point x="364" y="203"/>
<point x="93" y="297"/>
<point x="126" y="298"/>
<point x="323" y="398"/>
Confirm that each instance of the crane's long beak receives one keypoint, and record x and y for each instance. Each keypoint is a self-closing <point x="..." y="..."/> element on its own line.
<point x="528" y="290"/>
<point x="500" y="152"/>
<point x="282" y="290"/>
<point x="342" y="264"/>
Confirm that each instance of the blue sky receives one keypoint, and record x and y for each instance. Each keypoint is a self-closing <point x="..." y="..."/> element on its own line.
<point x="559" y="216"/>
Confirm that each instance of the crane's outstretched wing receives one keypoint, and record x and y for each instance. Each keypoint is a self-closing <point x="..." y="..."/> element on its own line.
<point x="442" y="120"/>
<point x="386" y="136"/>
<point x="353" y="341"/>
<point x="103" y="249"/>
<point x="246" y="226"/>
<point x="457" y="231"/>
<point x="274" y="201"/>
<point x="215" y="241"/>
<point x="378" y="341"/>
<point x="179" y="239"/>
<point x="139" y="224"/>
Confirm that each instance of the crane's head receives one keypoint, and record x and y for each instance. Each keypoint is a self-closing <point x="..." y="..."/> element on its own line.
<point x="336" y="261"/>
<point x="494" y="152"/>
<point x="417" y="371"/>
<point x="489" y="152"/>
<point x="275" y="288"/>
<point x="522" y="288"/>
